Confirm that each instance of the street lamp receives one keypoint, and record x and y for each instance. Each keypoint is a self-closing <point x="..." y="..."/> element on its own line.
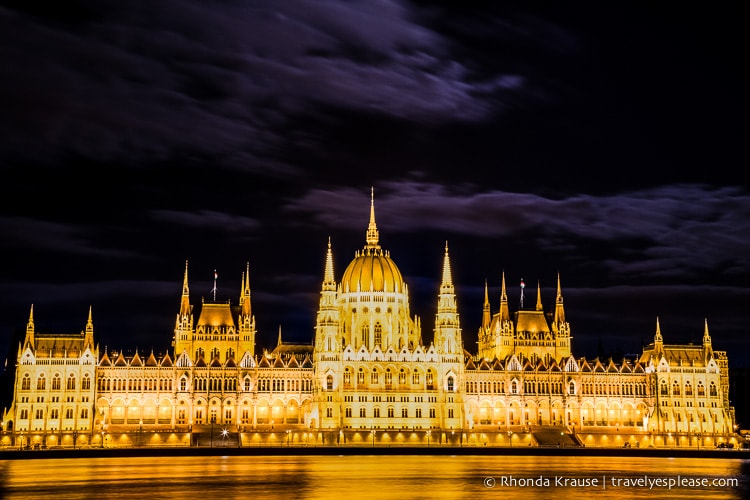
<point x="224" y="434"/>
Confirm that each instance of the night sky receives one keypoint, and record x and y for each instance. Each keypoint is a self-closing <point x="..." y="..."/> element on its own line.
<point x="605" y="141"/>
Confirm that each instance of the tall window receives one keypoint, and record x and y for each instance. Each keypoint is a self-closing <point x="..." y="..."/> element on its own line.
<point x="450" y="384"/>
<point x="56" y="382"/>
<point x="41" y="383"/>
<point x="86" y="383"/>
<point x="374" y="376"/>
<point x="712" y="390"/>
<point x="378" y="333"/>
<point x="26" y="383"/>
<point x="71" y="382"/>
<point x="365" y="334"/>
<point x="329" y="382"/>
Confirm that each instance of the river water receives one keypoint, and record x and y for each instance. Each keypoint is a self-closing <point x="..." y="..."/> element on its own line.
<point x="373" y="477"/>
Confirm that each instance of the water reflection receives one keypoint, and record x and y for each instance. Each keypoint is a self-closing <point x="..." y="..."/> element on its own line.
<point x="371" y="477"/>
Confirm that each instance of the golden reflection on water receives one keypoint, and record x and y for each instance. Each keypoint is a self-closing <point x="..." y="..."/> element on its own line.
<point x="372" y="477"/>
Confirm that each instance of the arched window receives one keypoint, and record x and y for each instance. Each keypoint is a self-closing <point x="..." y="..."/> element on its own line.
<point x="183" y="384"/>
<point x="347" y="377"/>
<point x="26" y="383"/>
<point x="329" y="382"/>
<point x="701" y="389"/>
<point x="86" y="383"/>
<point x="572" y="388"/>
<point x="71" y="382"/>
<point x="362" y="412"/>
<point x="378" y="333"/>
<point x="450" y="384"/>
<point x="664" y="390"/>
<point x="712" y="390"/>
<point x="374" y="376"/>
<point x="365" y="334"/>
<point x="514" y="387"/>
<point x="361" y="376"/>
<point x="688" y="389"/>
<point x="41" y="382"/>
<point x="56" y="382"/>
<point x="246" y="384"/>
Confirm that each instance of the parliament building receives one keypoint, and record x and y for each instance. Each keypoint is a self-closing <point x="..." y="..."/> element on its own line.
<point x="367" y="379"/>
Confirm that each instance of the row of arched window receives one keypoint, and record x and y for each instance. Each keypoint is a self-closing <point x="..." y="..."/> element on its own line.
<point x="676" y="389"/>
<point x="387" y="378"/>
<point x="41" y="382"/>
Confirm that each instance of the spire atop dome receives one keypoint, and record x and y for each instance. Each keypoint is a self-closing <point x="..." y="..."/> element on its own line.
<point x="372" y="229"/>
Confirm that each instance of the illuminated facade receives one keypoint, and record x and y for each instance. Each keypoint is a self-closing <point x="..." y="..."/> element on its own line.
<point x="368" y="378"/>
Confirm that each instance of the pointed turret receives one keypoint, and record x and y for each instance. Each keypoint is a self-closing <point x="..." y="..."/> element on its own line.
<point x="447" y="329"/>
<point x="559" y="324"/>
<point x="559" y="309"/>
<point x="447" y="275"/>
<point x="327" y="329"/>
<point x="246" y="319"/>
<point x="328" y="276"/>
<point x="185" y="301"/>
<point x="30" y="329"/>
<point x="657" y="336"/>
<point x="504" y="311"/>
<point x="538" y="296"/>
<point x="486" y="313"/>
<point x="707" y="348"/>
<point x="372" y="229"/>
<point x="245" y="303"/>
<point x="89" y="329"/>
<point x="278" y="341"/>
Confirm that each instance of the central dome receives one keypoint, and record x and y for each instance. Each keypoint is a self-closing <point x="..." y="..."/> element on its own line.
<point x="372" y="269"/>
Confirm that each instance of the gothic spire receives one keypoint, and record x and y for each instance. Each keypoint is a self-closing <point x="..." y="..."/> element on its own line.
<point x="657" y="337"/>
<point x="328" y="275"/>
<point x="447" y="275"/>
<point x="90" y="323"/>
<point x="486" y="313"/>
<point x="185" y="301"/>
<point x="538" y="296"/>
<point x="559" y="309"/>
<point x="504" y="312"/>
<point x="245" y="304"/>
